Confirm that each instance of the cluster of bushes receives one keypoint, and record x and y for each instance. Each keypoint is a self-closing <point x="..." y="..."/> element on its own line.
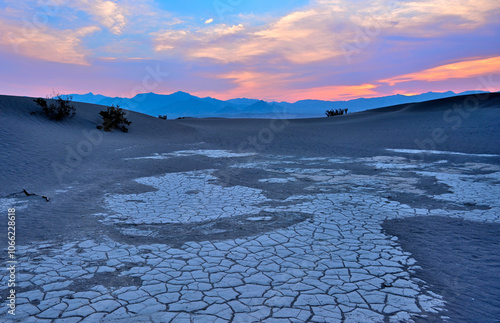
<point x="163" y="117"/>
<point x="59" y="107"/>
<point x="335" y="112"/>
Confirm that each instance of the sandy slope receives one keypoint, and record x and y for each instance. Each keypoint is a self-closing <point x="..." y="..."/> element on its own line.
<point x="38" y="154"/>
<point x="31" y="143"/>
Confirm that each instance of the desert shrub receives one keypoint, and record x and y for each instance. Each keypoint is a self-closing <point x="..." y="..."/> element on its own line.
<point x="335" y="112"/>
<point x="58" y="108"/>
<point x="163" y="117"/>
<point x="114" y="118"/>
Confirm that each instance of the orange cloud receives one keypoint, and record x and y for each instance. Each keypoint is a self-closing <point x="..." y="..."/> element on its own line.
<point x="464" y="69"/>
<point x="325" y="29"/>
<point x="251" y="84"/>
<point x="62" y="46"/>
<point x="278" y="87"/>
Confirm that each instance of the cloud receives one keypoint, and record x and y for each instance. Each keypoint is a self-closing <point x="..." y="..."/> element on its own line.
<point x="437" y="17"/>
<point x="108" y="13"/>
<point x="183" y="39"/>
<point x="326" y="29"/>
<point x="301" y="37"/>
<point x="209" y="21"/>
<point x="247" y="83"/>
<point x="129" y="20"/>
<point x="458" y="70"/>
<point x="283" y="87"/>
<point x="62" y="46"/>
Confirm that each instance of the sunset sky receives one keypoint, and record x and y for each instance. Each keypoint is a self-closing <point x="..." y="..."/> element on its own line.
<point x="273" y="50"/>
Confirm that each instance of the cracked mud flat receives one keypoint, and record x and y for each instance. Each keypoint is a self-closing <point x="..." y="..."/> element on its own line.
<point x="302" y="239"/>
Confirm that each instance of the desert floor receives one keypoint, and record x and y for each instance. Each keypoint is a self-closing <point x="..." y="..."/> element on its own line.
<point x="384" y="215"/>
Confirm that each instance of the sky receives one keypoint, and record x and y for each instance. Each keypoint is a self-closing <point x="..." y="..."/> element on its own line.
<point x="286" y="50"/>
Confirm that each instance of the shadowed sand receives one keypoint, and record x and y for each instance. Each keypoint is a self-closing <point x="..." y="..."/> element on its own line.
<point x="462" y="264"/>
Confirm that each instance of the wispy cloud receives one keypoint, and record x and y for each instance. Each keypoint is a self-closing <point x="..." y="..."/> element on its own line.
<point x="325" y="28"/>
<point x="185" y="39"/>
<point x="432" y="18"/>
<point x="458" y="70"/>
<point x="107" y="13"/>
<point x="46" y="43"/>
<point x="127" y="17"/>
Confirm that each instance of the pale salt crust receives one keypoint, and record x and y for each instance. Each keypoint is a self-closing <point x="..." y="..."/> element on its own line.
<point x="438" y="152"/>
<point x="207" y="153"/>
<point x="338" y="265"/>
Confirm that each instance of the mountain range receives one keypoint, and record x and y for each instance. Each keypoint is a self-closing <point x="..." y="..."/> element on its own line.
<point x="182" y="104"/>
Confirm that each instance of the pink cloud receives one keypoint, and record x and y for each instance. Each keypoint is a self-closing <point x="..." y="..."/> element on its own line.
<point x="280" y="87"/>
<point x="463" y="69"/>
<point x="45" y="43"/>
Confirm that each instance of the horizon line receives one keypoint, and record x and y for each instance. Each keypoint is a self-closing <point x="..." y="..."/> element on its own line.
<point x="247" y="98"/>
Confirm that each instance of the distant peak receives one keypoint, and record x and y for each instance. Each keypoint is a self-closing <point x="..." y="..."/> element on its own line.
<point x="260" y="102"/>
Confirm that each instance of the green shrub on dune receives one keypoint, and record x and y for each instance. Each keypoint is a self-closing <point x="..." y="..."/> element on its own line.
<point x="114" y="118"/>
